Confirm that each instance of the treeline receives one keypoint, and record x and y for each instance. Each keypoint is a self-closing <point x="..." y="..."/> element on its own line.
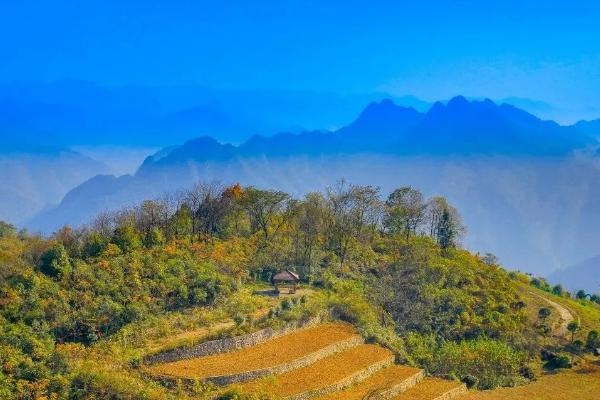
<point x="319" y="228"/>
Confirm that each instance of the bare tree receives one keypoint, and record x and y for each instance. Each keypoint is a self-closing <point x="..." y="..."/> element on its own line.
<point x="405" y="211"/>
<point x="352" y="209"/>
<point x="442" y="217"/>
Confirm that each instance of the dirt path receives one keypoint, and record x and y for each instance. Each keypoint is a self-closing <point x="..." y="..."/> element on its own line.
<point x="565" y="316"/>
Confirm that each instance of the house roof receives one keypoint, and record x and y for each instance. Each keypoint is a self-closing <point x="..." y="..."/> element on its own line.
<point x="286" y="275"/>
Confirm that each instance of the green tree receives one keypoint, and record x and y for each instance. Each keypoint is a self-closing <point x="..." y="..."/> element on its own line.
<point x="593" y="340"/>
<point x="55" y="261"/>
<point x="263" y="207"/>
<point x="544" y="313"/>
<point x="7" y="229"/>
<point x="581" y="295"/>
<point x="405" y="211"/>
<point x="93" y="245"/>
<point x="127" y="238"/>
<point x="558" y="290"/>
<point x="446" y="231"/>
<point x="573" y="327"/>
<point x="154" y="238"/>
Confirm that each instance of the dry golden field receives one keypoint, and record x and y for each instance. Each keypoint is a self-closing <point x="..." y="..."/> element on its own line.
<point x="429" y="389"/>
<point x="578" y="384"/>
<point x="323" y="373"/>
<point x="274" y="352"/>
<point x="385" y="379"/>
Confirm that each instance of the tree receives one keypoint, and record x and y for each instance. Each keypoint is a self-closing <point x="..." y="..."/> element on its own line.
<point x="581" y="295"/>
<point x="262" y="207"/>
<point x="446" y="232"/>
<point x="544" y="313"/>
<point x="127" y="238"/>
<point x="490" y="259"/>
<point x="595" y="298"/>
<point x="593" y="340"/>
<point x="7" y="229"/>
<point x="352" y="210"/>
<point x="93" y="244"/>
<point x="573" y="327"/>
<point x="405" y="211"/>
<point x="55" y="261"/>
<point x="181" y="222"/>
<point x="444" y="219"/>
<point x="558" y="290"/>
<point x="311" y="216"/>
<point x="154" y="238"/>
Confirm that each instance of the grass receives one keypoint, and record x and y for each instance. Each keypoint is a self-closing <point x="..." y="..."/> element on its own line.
<point x="429" y="389"/>
<point x="534" y="302"/>
<point x="582" y="384"/>
<point x="585" y="312"/>
<point x="383" y="380"/>
<point x="274" y="352"/>
<point x="323" y="373"/>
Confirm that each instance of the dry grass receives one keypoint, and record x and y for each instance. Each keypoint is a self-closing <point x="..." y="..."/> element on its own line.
<point x="323" y="373"/>
<point x="383" y="380"/>
<point x="274" y="352"/>
<point x="581" y="384"/>
<point x="535" y="300"/>
<point x="428" y="389"/>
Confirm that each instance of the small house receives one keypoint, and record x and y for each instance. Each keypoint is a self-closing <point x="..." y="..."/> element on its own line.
<point x="286" y="278"/>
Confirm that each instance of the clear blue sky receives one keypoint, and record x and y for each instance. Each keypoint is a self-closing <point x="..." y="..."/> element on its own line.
<point x="545" y="50"/>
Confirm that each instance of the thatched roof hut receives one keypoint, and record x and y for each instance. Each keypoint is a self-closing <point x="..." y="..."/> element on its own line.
<point x="286" y="278"/>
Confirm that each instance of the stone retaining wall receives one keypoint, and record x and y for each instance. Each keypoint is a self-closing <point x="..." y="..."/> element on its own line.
<point x="347" y="381"/>
<point x="400" y="387"/>
<point x="228" y="344"/>
<point x="452" y="393"/>
<point x="275" y="370"/>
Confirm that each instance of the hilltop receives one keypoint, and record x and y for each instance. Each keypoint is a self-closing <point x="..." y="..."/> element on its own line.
<point x="134" y="305"/>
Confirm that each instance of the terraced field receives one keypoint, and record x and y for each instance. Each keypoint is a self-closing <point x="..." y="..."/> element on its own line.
<point x="279" y="351"/>
<point x="433" y="389"/>
<point x="326" y="375"/>
<point x="325" y="362"/>
<point x="389" y="381"/>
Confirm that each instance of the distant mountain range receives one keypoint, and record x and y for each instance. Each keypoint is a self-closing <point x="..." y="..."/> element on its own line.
<point x="34" y="177"/>
<point x="75" y="112"/>
<point x="508" y="172"/>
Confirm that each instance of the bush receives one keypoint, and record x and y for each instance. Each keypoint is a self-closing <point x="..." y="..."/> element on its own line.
<point x="470" y="381"/>
<point x="560" y="361"/>
<point x="593" y="340"/>
<point x="492" y="363"/>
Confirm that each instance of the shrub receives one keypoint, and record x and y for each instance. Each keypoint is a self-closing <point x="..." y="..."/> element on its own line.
<point x="491" y="362"/>
<point x="593" y="340"/>
<point x="239" y="319"/>
<point x="560" y="361"/>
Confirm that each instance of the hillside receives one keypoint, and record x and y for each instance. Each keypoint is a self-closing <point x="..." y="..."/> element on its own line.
<point x="173" y="301"/>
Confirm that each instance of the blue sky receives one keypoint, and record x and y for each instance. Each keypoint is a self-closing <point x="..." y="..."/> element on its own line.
<point x="548" y="51"/>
